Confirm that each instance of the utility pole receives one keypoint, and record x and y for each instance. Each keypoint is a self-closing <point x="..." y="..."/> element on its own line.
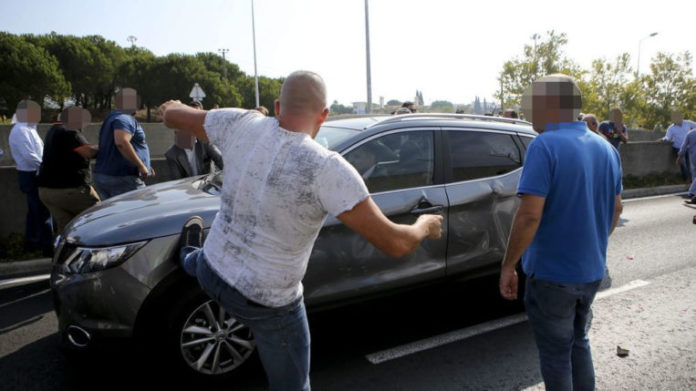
<point x="367" y="51"/>
<point x="224" y="62"/>
<point x="253" y="32"/>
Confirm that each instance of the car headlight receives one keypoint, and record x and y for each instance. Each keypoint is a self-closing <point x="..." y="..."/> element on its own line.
<point x="92" y="259"/>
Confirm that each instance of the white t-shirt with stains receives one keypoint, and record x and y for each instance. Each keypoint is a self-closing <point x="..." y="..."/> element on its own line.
<point x="279" y="186"/>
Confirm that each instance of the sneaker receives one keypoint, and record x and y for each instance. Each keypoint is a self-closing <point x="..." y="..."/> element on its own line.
<point x="192" y="233"/>
<point x="692" y="201"/>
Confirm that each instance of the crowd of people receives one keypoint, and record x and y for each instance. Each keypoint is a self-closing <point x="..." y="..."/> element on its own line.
<point x="253" y="263"/>
<point x="55" y="173"/>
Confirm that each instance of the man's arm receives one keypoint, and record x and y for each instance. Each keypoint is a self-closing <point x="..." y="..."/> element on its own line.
<point x="177" y="115"/>
<point x="524" y="227"/>
<point x="618" y="208"/>
<point x="623" y="134"/>
<point x="122" y="141"/>
<point x="87" y="151"/>
<point x="396" y="240"/>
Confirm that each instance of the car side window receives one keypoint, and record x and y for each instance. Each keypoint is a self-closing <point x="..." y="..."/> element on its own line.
<point x="395" y="161"/>
<point x="481" y="154"/>
<point x="526" y="140"/>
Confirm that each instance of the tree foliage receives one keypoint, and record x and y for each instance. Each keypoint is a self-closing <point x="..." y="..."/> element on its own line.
<point x="90" y="69"/>
<point x="27" y="71"/>
<point x="646" y="100"/>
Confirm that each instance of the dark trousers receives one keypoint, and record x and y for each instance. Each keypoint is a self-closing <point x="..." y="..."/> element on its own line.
<point x="38" y="232"/>
<point x="684" y="167"/>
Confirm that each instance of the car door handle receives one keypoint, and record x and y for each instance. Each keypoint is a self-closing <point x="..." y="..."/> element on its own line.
<point x="427" y="209"/>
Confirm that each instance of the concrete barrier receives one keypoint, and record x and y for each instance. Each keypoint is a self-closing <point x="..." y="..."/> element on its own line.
<point x="14" y="203"/>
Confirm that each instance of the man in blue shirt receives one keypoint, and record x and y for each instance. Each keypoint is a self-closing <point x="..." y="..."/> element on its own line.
<point x="124" y="158"/>
<point x="571" y="201"/>
<point x="688" y="151"/>
<point x="614" y="129"/>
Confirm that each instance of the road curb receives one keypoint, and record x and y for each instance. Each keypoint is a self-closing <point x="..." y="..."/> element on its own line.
<point x="654" y="191"/>
<point x="33" y="267"/>
<point x="27" y="268"/>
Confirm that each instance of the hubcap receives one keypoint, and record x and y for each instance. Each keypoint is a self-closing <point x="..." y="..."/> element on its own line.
<point x="213" y="342"/>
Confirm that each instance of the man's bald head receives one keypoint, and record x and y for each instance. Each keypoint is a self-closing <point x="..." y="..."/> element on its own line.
<point x="303" y="92"/>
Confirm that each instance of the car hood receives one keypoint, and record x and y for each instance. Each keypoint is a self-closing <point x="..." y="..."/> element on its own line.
<point x="151" y="212"/>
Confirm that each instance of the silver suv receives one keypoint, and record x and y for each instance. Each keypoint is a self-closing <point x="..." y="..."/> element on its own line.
<point x="116" y="273"/>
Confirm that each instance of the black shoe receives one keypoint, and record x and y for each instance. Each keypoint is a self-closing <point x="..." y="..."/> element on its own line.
<point x="192" y="233"/>
<point x="691" y="201"/>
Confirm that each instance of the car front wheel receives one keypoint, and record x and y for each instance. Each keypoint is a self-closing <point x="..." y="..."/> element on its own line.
<point x="211" y="342"/>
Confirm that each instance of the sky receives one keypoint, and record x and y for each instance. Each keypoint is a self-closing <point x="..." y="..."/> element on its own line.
<point x="448" y="49"/>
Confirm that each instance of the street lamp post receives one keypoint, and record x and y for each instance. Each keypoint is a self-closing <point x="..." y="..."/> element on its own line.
<point x="367" y="55"/>
<point x="224" y="62"/>
<point x="256" y="75"/>
<point x="640" y="42"/>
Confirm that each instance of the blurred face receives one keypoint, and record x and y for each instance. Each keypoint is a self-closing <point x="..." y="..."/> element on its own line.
<point x="677" y="118"/>
<point x="616" y="116"/>
<point x="29" y="112"/>
<point x="75" y="118"/>
<point x="127" y="100"/>
<point x="184" y="139"/>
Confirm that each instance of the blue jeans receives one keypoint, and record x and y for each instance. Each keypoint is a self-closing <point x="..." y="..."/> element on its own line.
<point x="281" y="333"/>
<point x="38" y="230"/>
<point x="110" y="186"/>
<point x="560" y="315"/>
<point x="692" y="188"/>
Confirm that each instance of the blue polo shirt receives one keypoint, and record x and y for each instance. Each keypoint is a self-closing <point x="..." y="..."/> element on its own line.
<point x="579" y="175"/>
<point x="109" y="159"/>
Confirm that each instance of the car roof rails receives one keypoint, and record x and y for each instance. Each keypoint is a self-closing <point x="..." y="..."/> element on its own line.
<point x="470" y="117"/>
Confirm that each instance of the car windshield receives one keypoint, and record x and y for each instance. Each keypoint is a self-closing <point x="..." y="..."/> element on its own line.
<point x="328" y="136"/>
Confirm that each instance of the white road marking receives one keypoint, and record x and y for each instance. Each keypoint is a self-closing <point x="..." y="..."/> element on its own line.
<point x="631" y="285"/>
<point x="468" y="332"/>
<point x="21" y="281"/>
<point x="653" y="197"/>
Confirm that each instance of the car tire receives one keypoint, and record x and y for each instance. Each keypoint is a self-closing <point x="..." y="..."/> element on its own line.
<point x="207" y="343"/>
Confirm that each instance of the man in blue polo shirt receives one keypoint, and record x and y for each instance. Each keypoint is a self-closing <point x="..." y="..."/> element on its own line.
<point x="124" y="158"/>
<point x="571" y="201"/>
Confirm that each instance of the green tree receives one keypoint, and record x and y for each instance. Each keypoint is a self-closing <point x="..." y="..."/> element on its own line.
<point x="88" y="63"/>
<point x="28" y="71"/>
<point x="442" y="106"/>
<point x="669" y="86"/>
<point x="605" y="85"/>
<point x="538" y="59"/>
<point x="394" y="102"/>
<point x="269" y="91"/>
<point x="337" y="108"/>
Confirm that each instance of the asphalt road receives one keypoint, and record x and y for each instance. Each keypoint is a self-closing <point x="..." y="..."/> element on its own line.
<point x="446" y="338"/>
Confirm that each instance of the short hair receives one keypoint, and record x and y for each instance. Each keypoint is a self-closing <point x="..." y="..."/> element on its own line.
<point x="407" y="103"/>
<point x="263" y="110"/>
<point x="512" y="113"/>
<point x="196" y="104"/>
<point x="403" y="110"/>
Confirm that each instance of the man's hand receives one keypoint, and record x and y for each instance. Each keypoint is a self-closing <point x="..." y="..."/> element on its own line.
<point x="432" y="225"/>
<point x="679" y="161"/>
<point x="508" y="283"/>
<point x="164" y="106"/>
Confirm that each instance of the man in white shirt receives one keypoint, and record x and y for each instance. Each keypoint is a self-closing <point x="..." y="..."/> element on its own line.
<point x="27" y="150"/>
<point x="273" y="204"/>
<point x="676" y="133"/>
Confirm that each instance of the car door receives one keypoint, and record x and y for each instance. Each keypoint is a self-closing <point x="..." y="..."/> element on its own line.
<point x="399" y="169"/>
<point x="483" y="170"/>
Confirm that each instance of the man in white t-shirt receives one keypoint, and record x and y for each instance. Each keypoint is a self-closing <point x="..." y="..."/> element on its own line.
<point x="273" y="204"/>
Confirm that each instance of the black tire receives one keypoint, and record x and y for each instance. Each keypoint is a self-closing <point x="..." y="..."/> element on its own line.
<point x="198" y="327"/>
